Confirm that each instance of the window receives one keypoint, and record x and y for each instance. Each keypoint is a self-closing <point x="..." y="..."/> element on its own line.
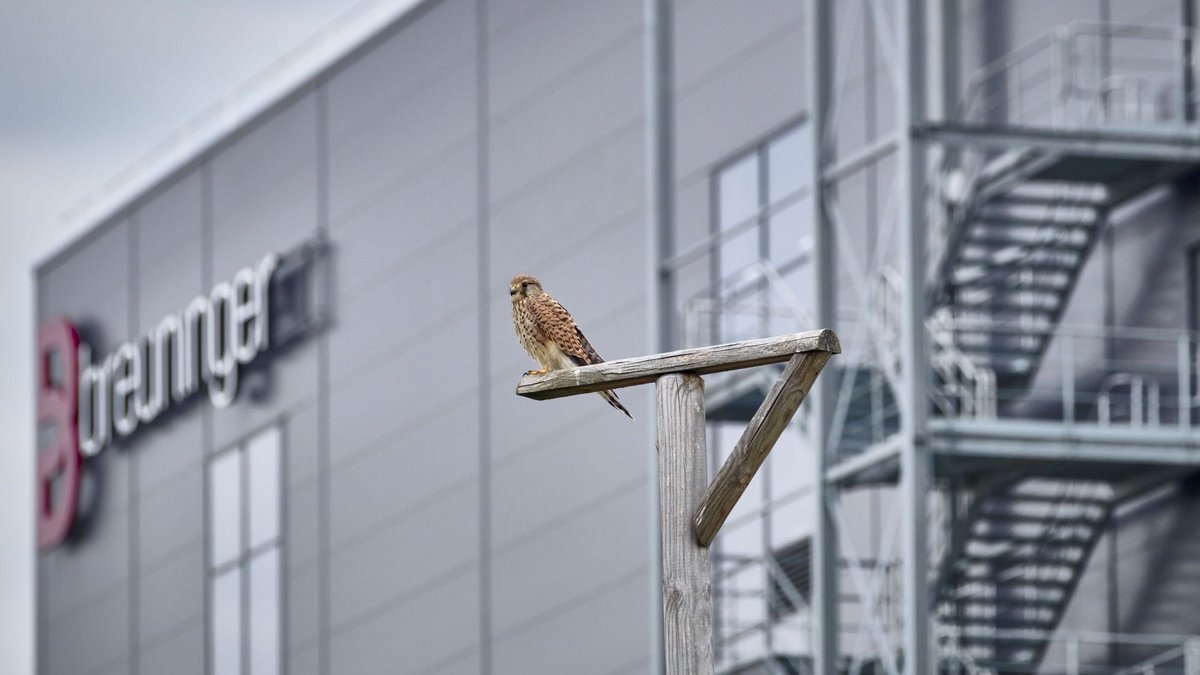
<point x="761" y="268"/>
<point x="244" y="533"/>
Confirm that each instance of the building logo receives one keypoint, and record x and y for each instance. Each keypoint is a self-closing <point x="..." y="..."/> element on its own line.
<point x="83" y="402"/>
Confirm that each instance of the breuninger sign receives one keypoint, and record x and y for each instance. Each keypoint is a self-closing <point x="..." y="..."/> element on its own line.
<point x="89" y="400"/>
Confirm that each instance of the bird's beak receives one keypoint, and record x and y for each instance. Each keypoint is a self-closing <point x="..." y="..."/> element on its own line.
<point x="512" y="291"/>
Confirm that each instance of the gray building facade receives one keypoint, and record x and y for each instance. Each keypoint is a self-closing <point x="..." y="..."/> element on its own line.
<point x="377" y="500"/>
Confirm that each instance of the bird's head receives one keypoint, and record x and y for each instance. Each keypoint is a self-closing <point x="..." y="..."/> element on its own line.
<point x="522" y="286"/>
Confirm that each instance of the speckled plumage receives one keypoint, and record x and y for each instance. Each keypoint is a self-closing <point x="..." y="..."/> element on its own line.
<point x="549" y="334"/>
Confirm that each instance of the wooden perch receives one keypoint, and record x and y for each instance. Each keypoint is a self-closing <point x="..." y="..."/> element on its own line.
<point x="700" y="361"/>
<point x="690" y="513"/>
<point x="757" y="440"/>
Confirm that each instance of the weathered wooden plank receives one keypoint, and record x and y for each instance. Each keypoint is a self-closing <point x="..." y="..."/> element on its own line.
<point x="756" y="442"/>
<point x="700" y="360"/>
<point x="682" y="477"/>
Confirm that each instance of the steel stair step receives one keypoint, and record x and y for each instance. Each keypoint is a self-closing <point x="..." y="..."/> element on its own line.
<point x="1023" y="518"/>
<point x="1020" y="255"/>
<point x="983" y="349"/>
<point x="1026" y="602"/>
<point x="976" y="266"/>
<point x="1039" y="511"/>
<point x="1017" y="573"/>
<point x="1018" y="537"/>
<point x="1010" y="558"/>
<point x="1067" y="238"/>
<point x="1049" y="499"/>
<point x="1020" y="197"/>
<point x="1038" y="575"/>
<point x="1000" y="567"/>
<point x="1082" y="515"/>
<point x="1065" y="215"/>
<point x="999" y="363"/>
<point x="1017" y="280"/>
<point x="1024" y="530"/>
<point x="965" y="272"/>
<point x="1034" y="617"/>
<point x="1017" y="300"/>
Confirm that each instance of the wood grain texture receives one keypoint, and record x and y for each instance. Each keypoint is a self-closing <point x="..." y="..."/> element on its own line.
<point x="756" y="442"/>
<point x="682" y="478"/>
<point x="700" y="360"/>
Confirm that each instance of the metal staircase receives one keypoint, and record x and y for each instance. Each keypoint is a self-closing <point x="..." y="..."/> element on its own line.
<point x="1019" y="226"/>
<point x="1014" y="255"/>
<point x="1015" y="566"/>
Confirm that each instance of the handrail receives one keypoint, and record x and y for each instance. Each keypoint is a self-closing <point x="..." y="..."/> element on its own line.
<point x="1178" y="646"/>
<point x="1077" y="86"/>
<point x="1143" y="401"/>
<point x="1156" y="365"/>
<point x="979" y="399"/>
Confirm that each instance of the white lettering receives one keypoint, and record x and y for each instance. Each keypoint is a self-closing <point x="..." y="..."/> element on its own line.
<point x="202" y="345"/>
<point x="126" y="375"/>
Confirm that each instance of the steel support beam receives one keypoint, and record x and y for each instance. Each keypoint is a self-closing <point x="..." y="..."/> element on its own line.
<point x="944" y="69"/>
<point x="874" y="459"/>
<point x="658" y="67"/>
<point x="824" y="540"/>
<point x="1115" y="443"/>
<point x="1169" y="146"/>
<point x="660" y="169"/>
<point x="914" y="457"/>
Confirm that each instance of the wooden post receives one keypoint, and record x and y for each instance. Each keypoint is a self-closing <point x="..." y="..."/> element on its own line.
<point x="690" y="510"/>
<point x="682" y="480"/>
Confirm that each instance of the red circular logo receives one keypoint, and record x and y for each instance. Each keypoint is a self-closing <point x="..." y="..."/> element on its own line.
<point x="58" y="462"/>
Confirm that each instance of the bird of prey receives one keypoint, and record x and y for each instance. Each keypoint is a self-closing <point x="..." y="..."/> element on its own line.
<point x="547" y="331"/>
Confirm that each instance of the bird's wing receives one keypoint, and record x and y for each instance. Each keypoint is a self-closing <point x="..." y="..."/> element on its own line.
<point x="556" y="323"/>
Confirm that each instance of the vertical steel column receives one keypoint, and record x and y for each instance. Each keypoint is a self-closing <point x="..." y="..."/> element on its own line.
<point x="660" y="245"/>
<point x="914" y="458"/>
<point x="944" y="70"/>
<point x="824" y="540"/>
<point x="1189" y="57"/>
<point x="660" y="169"/>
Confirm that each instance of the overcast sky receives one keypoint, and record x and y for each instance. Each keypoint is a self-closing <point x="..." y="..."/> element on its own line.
<point x="86" y="89"/>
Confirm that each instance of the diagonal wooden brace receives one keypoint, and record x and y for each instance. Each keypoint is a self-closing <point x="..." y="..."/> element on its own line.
<point x="756" y="442"/>
<point x="680" y="417"/>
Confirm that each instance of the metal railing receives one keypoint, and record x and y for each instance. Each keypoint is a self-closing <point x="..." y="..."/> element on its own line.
<point x="749" y="625"/>
<point x="754" y="302"/>
<point x="1109" y="376"/>
<point x="962" y="388"/>
<point x="1085" y="653"/>
<point x="1089" y="74"/>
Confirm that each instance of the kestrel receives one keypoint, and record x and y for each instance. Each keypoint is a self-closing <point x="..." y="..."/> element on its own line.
<point x="547" y="331"/>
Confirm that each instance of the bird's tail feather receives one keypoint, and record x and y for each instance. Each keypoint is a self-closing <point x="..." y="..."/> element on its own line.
<point x="614" y="401"/>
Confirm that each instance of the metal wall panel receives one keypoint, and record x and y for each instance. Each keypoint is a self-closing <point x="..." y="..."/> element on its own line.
<point x="565" y="518"/>
<point x="84" y="588"/>
<point x="565" y="173"/>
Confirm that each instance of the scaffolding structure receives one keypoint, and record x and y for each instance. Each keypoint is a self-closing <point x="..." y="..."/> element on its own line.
<point x="1004" y="436"/>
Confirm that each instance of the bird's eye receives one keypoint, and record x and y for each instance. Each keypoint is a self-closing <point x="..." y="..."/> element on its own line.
<point x="524" y="285"/>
